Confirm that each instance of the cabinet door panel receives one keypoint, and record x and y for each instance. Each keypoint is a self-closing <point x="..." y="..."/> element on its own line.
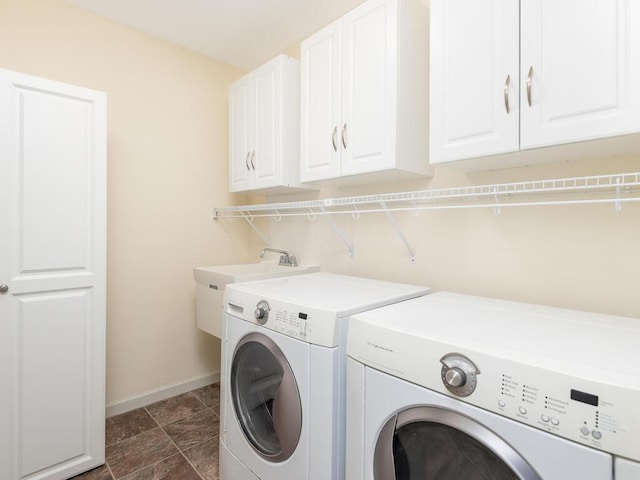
<point x="474" y="48"/>
<point x="239" y="134"/>
<point x="584" y="82"/>
<point x="369" y="83"/>
<point x="320" y="102"/>
<point x="265" y="101"/>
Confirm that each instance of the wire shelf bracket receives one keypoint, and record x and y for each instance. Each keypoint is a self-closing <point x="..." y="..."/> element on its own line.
<point x="396" y="227"/>
<point x="339" y="232"/>
<point x="249" y="218"/>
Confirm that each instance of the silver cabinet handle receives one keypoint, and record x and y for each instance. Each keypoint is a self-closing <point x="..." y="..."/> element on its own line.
<point x="344" y="135"/>
<point x="506" y="94"/>
<point x="246" y="160"/>
<point x="333" y="138"/>
<point x="253" y="156"/>
<point x="4" y="288"/>
<point x="529" y="77"/>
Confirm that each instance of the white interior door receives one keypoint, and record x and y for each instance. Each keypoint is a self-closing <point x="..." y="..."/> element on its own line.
<point x="580" y="70"/>
<point x="475" y="55"/>
<point x="53" y="269"/>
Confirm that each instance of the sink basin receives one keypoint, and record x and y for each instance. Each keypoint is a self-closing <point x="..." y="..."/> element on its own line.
<point x="211" y="281"/>
<point x="223" y="274"/>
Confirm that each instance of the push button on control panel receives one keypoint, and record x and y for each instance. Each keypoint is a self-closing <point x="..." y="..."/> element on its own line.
<point x="545" y="418"/>
<point x="584" y="430"/>
<point x="596" y="434"/>
<point x="522" y="410"/>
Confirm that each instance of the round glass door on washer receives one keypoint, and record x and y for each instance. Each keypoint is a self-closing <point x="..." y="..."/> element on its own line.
<point x="266" y="398"/>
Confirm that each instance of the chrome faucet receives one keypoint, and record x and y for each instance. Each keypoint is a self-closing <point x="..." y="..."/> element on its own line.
<point x="285" y="258"/>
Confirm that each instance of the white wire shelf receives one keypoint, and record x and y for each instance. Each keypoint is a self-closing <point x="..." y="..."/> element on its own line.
<point x="615" y="188"/>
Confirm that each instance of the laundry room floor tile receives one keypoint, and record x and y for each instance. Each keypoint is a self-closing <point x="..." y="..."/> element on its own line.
<point x="209" y="395"/>
<point x="204" y="457"/>
<point x="175" y="439"/>
<point x="193" y="430"/>
<point x="172" y="468"/>
<point x="174" y="409"/>
<point x="127" y="425"/>
<point x="134" y="453"/>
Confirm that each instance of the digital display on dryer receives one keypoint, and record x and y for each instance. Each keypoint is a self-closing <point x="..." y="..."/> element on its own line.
<point x="584" y="397"/>
<point x="302" y="316"/>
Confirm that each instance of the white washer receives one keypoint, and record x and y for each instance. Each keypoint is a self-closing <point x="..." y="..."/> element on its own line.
<point x="283" y="373"/>
<point x="454" y="387"/>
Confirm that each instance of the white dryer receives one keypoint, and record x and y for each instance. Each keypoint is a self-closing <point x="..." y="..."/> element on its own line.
<point x="454" y="387"/>
<point x="283" y="373"/>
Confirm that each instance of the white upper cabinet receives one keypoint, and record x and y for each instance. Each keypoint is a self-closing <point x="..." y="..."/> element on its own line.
<point x="364" y="94"/>
<point x="581" y="65"/>
<point x="513" y="76"/>
<point x="475" y="62"/>
<point x="264" y="128"/>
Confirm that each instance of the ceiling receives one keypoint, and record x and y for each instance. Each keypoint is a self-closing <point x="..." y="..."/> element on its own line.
<point x="242" y="33"/>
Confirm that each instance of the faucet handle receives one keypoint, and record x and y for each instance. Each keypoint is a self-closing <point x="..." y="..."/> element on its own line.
<point x="292" y="261"/>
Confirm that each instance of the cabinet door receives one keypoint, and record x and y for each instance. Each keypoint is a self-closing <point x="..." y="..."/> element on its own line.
<point x="320" y="101"/>
<point x="53" y="262"/>
<point x="369" y="87"/>
<point x="474" y="78"/>
<point x="266" y="118"/>
<point x="240" y="135"/>
<point x="582" y="62"/>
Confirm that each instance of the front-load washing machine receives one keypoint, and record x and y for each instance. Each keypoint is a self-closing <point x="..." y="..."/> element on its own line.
<point x="283" y="373"/>
<point x="454" y="387"/>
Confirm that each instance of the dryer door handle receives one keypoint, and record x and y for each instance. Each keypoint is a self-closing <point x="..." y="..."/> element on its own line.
<point x="287" y="414"/>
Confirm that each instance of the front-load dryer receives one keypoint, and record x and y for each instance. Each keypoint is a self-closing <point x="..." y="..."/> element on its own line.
<point x="283" y="373"/>
<point x="454" y="387"/>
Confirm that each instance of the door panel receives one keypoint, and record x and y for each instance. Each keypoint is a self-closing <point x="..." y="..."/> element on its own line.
<point x="578" y="56"/>
<point x="54" y="200"/>
<point x="320" y="100"/>
<point x="239" y="134"/>
<point x="475" y="48"/>
<point x="266" y="91"/>
<point x="369" y="83"/>
<point x="52" y="353"/>
<point x="53" y="260"/>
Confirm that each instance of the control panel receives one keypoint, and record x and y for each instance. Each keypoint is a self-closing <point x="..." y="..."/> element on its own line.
<point x="318" y="327"/>
<point x="594" y="414"/>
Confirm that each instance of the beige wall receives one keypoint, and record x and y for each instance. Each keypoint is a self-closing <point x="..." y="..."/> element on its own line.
<point x="168" y="166"/>
<point x="167" y="157"/>
<point x="582" y="257"/>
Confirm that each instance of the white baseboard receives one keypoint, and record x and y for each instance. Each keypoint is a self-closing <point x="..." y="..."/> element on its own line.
<point x="151" y="396"/>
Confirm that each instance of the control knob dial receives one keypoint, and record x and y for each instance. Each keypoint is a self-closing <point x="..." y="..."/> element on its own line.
<point x="455" y="377"/>
<point x="262" y="312"/>
<point x="459" y="374"/>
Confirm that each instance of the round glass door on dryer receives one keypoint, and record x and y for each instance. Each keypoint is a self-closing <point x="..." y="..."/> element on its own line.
<point x="431" y="443"/>
<point x="266" y="398"/>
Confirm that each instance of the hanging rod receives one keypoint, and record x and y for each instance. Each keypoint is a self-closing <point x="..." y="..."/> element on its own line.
<point x="615" y="188"/>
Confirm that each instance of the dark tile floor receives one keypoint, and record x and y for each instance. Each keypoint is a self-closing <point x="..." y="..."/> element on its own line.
<point x="175" y="439"/>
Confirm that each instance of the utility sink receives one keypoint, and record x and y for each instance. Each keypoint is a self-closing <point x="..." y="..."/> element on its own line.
<point x="211" y="281"/>
<point x="244" y="272"/>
